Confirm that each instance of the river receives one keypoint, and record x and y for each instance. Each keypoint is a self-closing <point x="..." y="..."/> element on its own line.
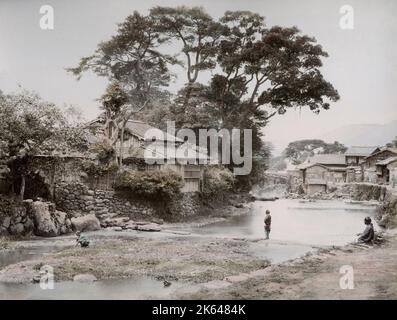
<point x="297" y="228"/>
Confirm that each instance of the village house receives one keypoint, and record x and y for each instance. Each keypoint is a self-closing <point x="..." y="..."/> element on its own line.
<point x="375" y="166"/>
<point x="392" y="167"/>
<point x="320" y="170"/>
<point x="355" y="157"/>
<point x="142" y="152"/>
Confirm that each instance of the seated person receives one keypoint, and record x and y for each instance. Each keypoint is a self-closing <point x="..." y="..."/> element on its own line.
<point x="368" y="235"/>
<point x="82" y="240"/>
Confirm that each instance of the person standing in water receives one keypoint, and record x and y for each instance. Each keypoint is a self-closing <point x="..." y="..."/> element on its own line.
<point x="268" y="223"/>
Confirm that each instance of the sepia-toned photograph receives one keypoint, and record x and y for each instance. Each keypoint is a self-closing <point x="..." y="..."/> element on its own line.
<point x="190" y="150"/>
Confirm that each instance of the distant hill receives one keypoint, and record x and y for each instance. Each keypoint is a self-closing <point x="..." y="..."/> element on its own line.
<point x="363" y="134"/>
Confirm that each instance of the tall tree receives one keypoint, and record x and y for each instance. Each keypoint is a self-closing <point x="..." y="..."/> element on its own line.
<point x="137" y="70"/>
<point x="198" y="34"/>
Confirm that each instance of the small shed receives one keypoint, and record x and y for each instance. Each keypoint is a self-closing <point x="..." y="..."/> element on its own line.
<point x="316" y="186"/>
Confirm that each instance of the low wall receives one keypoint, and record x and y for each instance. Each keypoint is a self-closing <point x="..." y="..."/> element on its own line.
<point x="79" y="199"/>
<point x="364" y="191"/>
<point x="14" y="219"/>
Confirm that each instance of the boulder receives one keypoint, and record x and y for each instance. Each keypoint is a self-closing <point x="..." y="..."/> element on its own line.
<point x="43" y="220"/>
<point x="86" y="223"/>
<point x="17" y="229"/>
<point x="6" y="222"/>
<point x="149" y="227"/>
<point x="86" y="277"/>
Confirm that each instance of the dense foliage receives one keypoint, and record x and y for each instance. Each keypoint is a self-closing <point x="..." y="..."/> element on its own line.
<point x="217" y="182"/>
<point x="298" y="151"/>
<point x="162" y="184"/>
<point x="31" y="127"/>
<point x="97" y="170"/>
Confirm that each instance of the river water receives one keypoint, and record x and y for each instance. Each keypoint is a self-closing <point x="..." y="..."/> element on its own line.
<point x="297" y="228"/>
<point x="319" y="223"/>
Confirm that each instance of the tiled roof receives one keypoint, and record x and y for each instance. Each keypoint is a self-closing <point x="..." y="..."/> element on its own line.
<point x="324" y="159"/>
<point x="392" y="150"/>
<point x="139" y="129"/>
<point x="387" y="161"/>
<point x="360" y="151"/>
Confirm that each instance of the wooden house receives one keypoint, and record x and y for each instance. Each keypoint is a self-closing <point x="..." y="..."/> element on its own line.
<point x="375" y="166"/>
<point x="320" y="170"/>
<point x="392" y="167"/>
<point x="356" y="155"/>
<point x="148" y="148"/>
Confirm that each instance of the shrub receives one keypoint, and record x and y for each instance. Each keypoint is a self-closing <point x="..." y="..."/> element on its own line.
<point x="217" y="182"/>
<point x="159" y="183"/>
<point x="98" y="170"/>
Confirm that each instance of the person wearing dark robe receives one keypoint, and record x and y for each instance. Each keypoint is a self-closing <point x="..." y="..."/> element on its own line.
<point x="368" y="235"/>
<point x="268" y="223"/>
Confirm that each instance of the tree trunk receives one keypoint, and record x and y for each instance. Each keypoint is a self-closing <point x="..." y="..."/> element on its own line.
<point x="121" y="148"/>
<point x="23" y="183"/>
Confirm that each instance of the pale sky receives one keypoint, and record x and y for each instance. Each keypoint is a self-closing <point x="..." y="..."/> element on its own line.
<point x="361" y="63"/>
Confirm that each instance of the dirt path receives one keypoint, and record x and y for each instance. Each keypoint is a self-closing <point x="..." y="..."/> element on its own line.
<point x="317" y="277"/>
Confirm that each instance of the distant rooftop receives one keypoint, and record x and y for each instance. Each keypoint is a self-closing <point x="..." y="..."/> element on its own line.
<point x="387" y="161"/>
<point x="360" y="151"/>
<point x="325" y="160"/>
<point x="328" y="159"/>
<point x="392" y="150"/>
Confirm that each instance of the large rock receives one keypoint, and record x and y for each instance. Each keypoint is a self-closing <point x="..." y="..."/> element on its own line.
<point x="43" y="221"/>
<point x="17" y="229"/>
<point x="86" y="223"/>
<point x="149" y="228"/>
<point x="6" y="222"/>
<point x="47" y="221"/>
<point x="85" y="277"/>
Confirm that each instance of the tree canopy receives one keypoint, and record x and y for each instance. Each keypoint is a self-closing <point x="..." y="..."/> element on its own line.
<point x="256" y="72"/>
<point x="298" y="151"/>
<point x="30" y="127"/>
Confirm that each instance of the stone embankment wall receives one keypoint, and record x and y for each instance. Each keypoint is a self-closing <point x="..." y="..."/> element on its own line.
<point x="361" y="191"/>
<point x="78" y="199"/>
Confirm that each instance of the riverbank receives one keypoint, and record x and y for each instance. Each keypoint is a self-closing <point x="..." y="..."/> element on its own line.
<point x="199" y="260"/>
<point x="163" y="255"/>
<point x="317" y="276"/>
